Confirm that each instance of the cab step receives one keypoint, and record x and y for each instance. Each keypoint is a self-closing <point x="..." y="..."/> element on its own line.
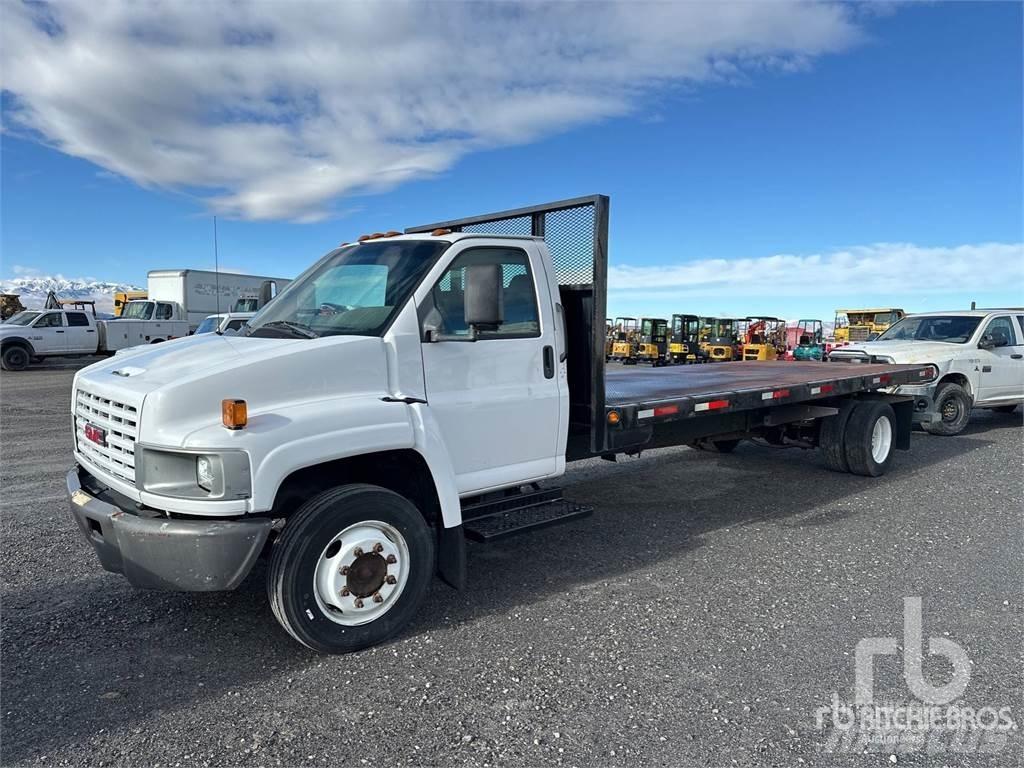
<point x="505" y="517"/>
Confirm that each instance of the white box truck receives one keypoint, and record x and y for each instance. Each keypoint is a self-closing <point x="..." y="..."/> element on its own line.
<point x="195" y="294"/>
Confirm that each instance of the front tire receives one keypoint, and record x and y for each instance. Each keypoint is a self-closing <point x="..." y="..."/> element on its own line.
<point x="870" y="438"/>
<point x="953" y="405"/>
<point x="15" y="358"/>
<point x="351" y="568"/>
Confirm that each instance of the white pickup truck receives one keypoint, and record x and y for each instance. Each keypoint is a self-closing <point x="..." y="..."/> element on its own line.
<point x="407" y="393"/>
<point x="36" y="334"/>
<point x="979" y="355"/>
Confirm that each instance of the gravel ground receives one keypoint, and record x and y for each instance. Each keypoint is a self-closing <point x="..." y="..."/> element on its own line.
<point x="701" y="616"/>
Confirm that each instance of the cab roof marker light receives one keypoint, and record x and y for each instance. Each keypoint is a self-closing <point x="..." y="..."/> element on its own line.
<point x="234" y="413"/>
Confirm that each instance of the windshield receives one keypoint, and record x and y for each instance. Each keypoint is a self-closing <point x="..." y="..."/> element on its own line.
<point x="353" y="291"/>
<point x="22" y="318"/>
<point x="885" y="318"/>
<point x="138" y="310"/>
<point x="953" y="329"/>
<point x="209" y="325"/>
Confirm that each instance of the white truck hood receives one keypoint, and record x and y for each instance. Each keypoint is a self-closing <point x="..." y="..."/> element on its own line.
<point x="179" y="385"/>
<point x="901" y="351"/>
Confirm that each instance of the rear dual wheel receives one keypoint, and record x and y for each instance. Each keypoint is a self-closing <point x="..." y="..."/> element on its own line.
<point x="351" y="568"/>
<point x="860" y="439"/>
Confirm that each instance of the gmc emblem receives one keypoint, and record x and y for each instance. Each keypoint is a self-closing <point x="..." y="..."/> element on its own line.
<point x="97" y="435"/>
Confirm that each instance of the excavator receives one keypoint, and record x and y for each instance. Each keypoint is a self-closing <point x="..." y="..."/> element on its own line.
<point x="722" y="340"/>
<point x="765" y="338"/>
<point x="652" y="342"/>
<point x="810" y="340"/>
<point x="684" y="340"/>
<point x="624" y="337"/>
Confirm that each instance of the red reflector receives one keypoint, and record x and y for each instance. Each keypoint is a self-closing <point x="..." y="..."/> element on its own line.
<point x="885" y="378"/>
<point x="666" y="410"/>
<point x="827" y="387"/>
<point x="718" y="404"/>
<point x="781" y="393"/>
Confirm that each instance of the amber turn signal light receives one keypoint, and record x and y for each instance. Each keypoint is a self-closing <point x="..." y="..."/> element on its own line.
<point x="233" y="413"/>
<point x="613" y="417"/>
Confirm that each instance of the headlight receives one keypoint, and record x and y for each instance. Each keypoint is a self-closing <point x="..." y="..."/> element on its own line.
<point x="205" y="473"/>
<point x="194" y="474"/>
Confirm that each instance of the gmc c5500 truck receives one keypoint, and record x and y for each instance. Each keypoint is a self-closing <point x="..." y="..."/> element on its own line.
<point x="407" y="393"/>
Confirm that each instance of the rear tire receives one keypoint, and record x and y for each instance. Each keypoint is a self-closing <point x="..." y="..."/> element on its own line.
<point x="870" y="438"/>
<point x="831" y="437"/>
<point x="953" y="405"/>
<point x="15" y="358"/>
<point x="317" y="543"/>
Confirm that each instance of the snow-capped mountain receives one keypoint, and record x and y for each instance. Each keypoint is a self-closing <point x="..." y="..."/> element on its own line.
<point x="32" y="290"/>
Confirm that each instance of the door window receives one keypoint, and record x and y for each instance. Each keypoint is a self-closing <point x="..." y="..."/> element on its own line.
<point x="164" y="311"/>
<point x="234" y="325"/>
<point x="50" y="320"/>
<point x="1001" y="328"/>
<point x="520" y="296"/>
<point x="77" y="319"/>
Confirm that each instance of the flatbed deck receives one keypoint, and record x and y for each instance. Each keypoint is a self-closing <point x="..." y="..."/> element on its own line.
<point x="674" y="392"/>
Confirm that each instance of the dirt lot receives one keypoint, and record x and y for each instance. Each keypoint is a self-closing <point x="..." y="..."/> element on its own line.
<point x="702" y="616"/>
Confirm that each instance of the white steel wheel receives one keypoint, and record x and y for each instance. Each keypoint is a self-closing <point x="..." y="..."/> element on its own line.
<point x="361" y="573"/>
<point x="881" y="439"/>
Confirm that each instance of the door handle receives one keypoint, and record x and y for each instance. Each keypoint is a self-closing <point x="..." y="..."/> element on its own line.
<point x="549" y="362"/>
<point x="60" y="331"/>
<point x="1016" y="357"/>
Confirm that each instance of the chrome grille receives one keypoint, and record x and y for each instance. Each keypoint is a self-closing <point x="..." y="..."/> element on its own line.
<point x="120" y="421"/>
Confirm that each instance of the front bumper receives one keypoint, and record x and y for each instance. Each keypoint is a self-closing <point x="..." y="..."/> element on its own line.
<point x="164" y="553"/>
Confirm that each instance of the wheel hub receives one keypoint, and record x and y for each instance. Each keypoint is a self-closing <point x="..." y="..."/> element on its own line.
<point x="950" y="410"/>
<point x="361" y="573"/>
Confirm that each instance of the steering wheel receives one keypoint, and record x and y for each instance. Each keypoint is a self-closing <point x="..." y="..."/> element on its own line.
<point x="329" y="308"/>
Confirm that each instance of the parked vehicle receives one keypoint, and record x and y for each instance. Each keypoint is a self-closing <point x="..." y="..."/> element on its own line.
<point x="863" y="324"/>
<point x="121" y="298"/>
<point x="722" y="342"/>
<point x="193" y="295"/>
<point x="226" y="321"/>
<point x="764" y="339"/>
<point x="652" y="342"/>
<point x="978" y="357"/>
<point x="405" y="393"/>
<point x="624" y="343"/>
<point x="33" y="335"/>
<point x="684" y="344"/>
<point x="810" y="340"/>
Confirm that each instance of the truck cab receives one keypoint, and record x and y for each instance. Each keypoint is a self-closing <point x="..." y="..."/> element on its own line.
<point x="36" y="334"/>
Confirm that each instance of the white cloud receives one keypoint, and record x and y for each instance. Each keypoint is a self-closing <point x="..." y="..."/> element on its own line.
<point x="274" y="110"/>
<point x="878" y="270"/>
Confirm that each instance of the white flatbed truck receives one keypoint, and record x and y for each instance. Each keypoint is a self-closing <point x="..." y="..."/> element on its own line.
<point x="404" y="394"/>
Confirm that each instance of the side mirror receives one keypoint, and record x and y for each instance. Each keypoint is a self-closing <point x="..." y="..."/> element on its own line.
<point x="484" y="298"/>
<point x="267" y="292"/>
<point x="992" y="340"/>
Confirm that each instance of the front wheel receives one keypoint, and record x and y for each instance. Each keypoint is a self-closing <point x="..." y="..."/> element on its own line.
<point x="351" y="568"/>
<point x="953" y="405"/>
<point x="15" y="358"/>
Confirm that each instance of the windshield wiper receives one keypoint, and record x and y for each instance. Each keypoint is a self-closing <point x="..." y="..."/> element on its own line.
<point x="296" y="328"/>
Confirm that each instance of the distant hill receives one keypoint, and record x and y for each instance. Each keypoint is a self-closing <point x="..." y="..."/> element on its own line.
<point x="32" y="290"/>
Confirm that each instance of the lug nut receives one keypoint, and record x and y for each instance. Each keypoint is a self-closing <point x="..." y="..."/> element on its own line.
<point x="345" y="592"/>
<point x="344" y="570"/>
<point x="357" y="551"/>
<point x="377" y="598"/>
<point x="391" y="580"/>
<point x="391" y="560"/>
<point x="359" y="603"/>
<point x="378" y="547"/>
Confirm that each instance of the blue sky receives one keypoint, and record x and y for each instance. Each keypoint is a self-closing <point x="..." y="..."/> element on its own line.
<point x="876" y="162"/>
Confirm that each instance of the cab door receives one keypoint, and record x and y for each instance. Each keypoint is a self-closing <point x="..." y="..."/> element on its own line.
<point x="49" y="336"/>
<point x="496" y="400"/>
<point x="81" y="336"/>
<point x="1002" y="366"/>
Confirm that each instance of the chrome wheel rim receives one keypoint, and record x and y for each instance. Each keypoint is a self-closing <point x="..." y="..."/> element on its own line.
<point x="361" y="573"/>
<point x="881" y="440"/>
